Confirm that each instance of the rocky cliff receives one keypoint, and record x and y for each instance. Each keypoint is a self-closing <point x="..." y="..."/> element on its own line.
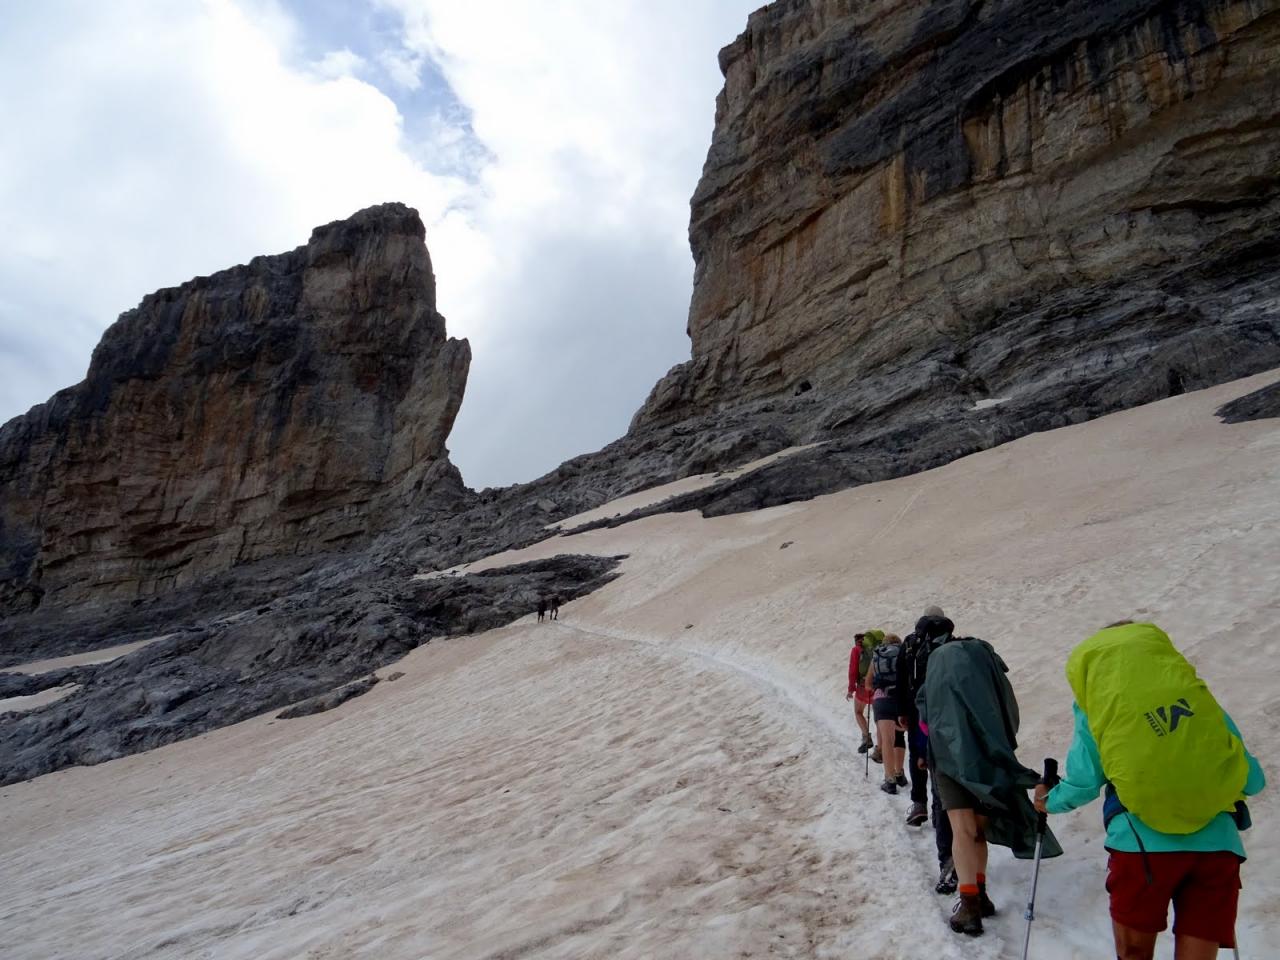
<point x="988" y="198"/>
<point x="285" y="407"/>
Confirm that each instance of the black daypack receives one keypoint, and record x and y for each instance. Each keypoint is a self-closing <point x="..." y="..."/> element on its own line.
<point x="884" y="667"/>
<point x="917" y="654"/>
<point x="929" y="635"/>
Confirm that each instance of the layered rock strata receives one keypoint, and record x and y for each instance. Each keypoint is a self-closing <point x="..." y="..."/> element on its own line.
<point x="293" y="405"/>
<point x="892" y="184"/>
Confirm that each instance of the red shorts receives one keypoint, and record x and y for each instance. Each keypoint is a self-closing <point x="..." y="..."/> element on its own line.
<point x="863" y="697"/>
<point x="1204" y="889"/>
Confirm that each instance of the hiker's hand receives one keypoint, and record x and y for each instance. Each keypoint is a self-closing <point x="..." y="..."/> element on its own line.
<point x="920" y="763"/>
<point x="849" y="695"/>
<point x="902" y="723"/>
<point x="1042" y="791"/>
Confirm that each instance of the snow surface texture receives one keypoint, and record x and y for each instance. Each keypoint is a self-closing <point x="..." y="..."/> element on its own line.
<point x="668" y="771"/>
<point x="103" y="655"/>
<point x="34" y="700"/>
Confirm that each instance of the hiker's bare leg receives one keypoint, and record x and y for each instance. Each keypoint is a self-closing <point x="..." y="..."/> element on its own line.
<point x="884" y="729"/>
<point x="860" y="715"/>
<point x="1193" y="948"/>
<point x="982" y="844"/>
<point x="1133" y="944"/>
<point x="965" y="846"/>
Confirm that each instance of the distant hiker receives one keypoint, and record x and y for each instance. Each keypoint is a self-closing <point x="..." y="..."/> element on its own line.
<point x="555" y="607"/>
<point x="859" y="689"/>
<point x="968" y="710"/>
<point x="932" y="630"/>
<point x="542" y="608"/>
<point x="1175" y="774"/>
<point x="886" y="709"/>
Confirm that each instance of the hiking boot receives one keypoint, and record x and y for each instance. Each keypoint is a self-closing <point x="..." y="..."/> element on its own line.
<point x="900" y="780"/>
<point x="889" y="787"/>
<point x="866" y="745"/>
<point x="917" y="815"/>
<point x="988" y="908"/>
<point x="947" y="879"/>
<point x="966" y="918"/>
<point x="876" y="756"/>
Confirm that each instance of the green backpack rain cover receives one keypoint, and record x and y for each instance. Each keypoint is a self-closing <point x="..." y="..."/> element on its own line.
<point x="1163" y="739"/>
<point x="870" y="640"/>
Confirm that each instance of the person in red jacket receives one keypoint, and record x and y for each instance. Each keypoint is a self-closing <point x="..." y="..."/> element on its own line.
<point x="860" y="683"/>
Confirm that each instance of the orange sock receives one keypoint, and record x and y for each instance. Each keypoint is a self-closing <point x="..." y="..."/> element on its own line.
<point x="982" y="879"/>
<point x="968" y="889"/>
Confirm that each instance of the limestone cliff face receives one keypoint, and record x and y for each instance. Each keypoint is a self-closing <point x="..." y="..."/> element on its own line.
<point x="279" y="408"/>
<point x="890" y="176"/>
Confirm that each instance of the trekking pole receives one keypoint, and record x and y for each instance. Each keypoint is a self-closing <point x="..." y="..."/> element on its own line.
<point x="1042" y="824"/>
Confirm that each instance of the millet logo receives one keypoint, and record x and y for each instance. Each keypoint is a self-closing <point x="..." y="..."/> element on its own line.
<point x="1165" y="719"/>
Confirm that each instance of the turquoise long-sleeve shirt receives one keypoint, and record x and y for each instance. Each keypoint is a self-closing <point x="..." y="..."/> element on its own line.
<point x="1083" y="780"/>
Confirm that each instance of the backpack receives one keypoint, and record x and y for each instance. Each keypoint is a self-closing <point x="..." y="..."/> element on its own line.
<point x="1166" y="750"/>
<point x="919" y="646"/>
<point x="917" y="650"/>
<point x="870" y="641"/>
<point x="884" y="669"/>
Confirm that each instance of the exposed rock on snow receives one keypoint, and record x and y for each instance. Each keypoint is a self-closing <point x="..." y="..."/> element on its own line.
<point x="1255" y="406"/>
<point x="326" y="633"/>
<point x="327" y="701"/>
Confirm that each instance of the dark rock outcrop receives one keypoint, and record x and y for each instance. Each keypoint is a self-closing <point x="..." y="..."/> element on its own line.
<point x="328" y="701"/>
<point x="295" y="404"/>
<point x="1259" y="405"/>
<point x="341" y="621"/>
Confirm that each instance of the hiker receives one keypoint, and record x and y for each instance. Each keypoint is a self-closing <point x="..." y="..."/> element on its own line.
<point x="885" y="710"/>
<point x="859" y="690"/>
<point x="542" y="608"/>
<point x="932" y="630"/>
<point x="1175" y="773"/>
<point x="555" y="607"/>
<point x="970" y="715"/>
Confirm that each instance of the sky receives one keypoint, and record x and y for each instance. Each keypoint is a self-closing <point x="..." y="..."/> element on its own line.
<point x="551" y="149"/>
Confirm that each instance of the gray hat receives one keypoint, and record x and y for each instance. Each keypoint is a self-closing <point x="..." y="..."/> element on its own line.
<point x="933" y="610"/>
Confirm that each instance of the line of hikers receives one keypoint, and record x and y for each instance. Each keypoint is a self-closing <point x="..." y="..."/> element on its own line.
<point x="1148" y="735"/>
<point x="549" y="607"/>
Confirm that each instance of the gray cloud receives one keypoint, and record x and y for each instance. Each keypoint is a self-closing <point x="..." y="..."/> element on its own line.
<point x="589" y="326"/>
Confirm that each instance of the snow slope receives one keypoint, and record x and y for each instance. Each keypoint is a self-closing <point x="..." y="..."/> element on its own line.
<point x="668" y="771"/>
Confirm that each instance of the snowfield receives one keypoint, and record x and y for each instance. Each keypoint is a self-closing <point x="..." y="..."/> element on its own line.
<point x="669" y="770"/>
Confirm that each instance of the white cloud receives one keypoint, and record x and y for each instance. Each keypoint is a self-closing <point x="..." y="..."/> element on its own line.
<point x="153" y="142"/>
<point x="339" y="63"/>
<point x="404" y="69"/>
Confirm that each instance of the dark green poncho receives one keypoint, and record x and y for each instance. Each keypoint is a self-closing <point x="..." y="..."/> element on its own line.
<point x="972" y="715"/>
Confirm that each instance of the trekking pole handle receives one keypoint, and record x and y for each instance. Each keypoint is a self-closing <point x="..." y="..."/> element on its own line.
<point x="1050" y="778"/>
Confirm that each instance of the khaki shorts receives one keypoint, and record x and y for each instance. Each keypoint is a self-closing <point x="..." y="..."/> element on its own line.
<point x="954" y="796"/>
